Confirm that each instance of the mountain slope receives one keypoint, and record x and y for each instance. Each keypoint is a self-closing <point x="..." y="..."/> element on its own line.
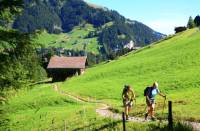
<point x="73" y="40"/>
<point x="58" y="16"/>
<point x="174" y="63"/>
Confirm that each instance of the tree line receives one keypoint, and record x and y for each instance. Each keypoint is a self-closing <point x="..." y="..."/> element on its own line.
<point x="192" y="23"/>
<point x="58" y="16"/>
<point x="19" y="61"/>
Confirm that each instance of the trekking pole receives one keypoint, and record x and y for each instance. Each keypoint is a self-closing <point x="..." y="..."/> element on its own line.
<point x="135" y="102"/>
<point x="145" y="109"/>
<point x="163" y="110"/>
<point x="135" y="107"/>
<point x="164" y="106"/>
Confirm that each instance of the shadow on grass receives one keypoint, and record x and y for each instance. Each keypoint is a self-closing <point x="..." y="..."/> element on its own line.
<point x="110" y="125"/>
<point x="176" y="127"/>
<point x="107" y="126"/>
<point x="84" y="127"/>
<point x="42" y="82"/>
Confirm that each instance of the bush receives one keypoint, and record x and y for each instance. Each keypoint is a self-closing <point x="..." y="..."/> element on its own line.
<point x="18" y="60"/>
<point x="180" y="29"/>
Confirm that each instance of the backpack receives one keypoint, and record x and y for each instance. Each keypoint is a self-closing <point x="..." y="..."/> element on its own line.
<point x="147" y="90"/>
<point x="125" y="89"/>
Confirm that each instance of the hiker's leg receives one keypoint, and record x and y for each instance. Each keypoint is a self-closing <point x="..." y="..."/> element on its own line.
<point x="153" y="110"/>
<point x="126" y="110"/>
<point x="129" y="109"/>
<point x="149" y="110"/>
<point x="147" y="107"/>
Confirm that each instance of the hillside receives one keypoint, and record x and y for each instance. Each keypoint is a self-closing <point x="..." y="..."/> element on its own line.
<point x="58" y="16"/>
<point x="173" y="62"/>
<point x="92" y="101"/>
<point x="41" y="108"/>
<point x="73" y="40"/>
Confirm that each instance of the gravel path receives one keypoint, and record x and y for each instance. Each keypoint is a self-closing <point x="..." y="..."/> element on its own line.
<point x="104" y="111"/>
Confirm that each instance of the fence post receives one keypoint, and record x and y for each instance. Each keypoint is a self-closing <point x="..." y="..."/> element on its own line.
<point x="65" y="126"/>
<point x="123" y="120"/>
<point x="170" y="118"/>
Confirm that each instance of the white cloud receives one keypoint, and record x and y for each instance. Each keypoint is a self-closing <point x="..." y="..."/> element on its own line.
<point x="166" y="26"/>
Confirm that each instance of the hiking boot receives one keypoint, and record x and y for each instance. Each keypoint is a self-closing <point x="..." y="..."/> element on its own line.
<point x="127" y="117"/>
<point x="145" y="116"/>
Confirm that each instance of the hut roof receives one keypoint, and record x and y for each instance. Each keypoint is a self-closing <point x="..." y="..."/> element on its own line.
<point x="67" y="62"/>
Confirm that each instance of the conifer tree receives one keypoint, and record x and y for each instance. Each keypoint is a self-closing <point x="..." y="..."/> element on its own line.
<point x="191" y="23"/>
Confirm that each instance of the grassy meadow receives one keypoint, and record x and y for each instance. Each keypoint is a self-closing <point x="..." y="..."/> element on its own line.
<point x="75" y="39"/>
<point x="42" y="108"/>
<point x="173" y="63"/>
<point x="45" y="109"/>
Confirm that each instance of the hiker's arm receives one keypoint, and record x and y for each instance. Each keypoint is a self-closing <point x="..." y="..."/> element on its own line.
<point x="147" y="97"/>
<point x="132" y="95"/>
<point x="161" y="94"/>
<point x="123" y="96"/>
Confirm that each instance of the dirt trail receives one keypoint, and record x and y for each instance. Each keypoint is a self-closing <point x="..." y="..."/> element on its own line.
<point x="104" y="111"/>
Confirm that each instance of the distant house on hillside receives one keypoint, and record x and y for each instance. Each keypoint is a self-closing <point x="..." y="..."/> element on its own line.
<point x="130" y="45"/>
<point x="62" y="67"/>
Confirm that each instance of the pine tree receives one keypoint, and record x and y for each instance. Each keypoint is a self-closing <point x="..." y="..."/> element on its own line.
<point x="191" y="23"/>
<point x="197" y="20"/>
<point x="9" y="8"/>
<point x="18" y="59"/>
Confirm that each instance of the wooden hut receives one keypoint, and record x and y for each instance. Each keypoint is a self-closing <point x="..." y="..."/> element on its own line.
<point x="62" y="67"/>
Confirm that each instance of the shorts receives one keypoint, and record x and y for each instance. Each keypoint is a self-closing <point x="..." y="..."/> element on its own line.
<point x="149" y="103"/>
<point x="127" y="103"/>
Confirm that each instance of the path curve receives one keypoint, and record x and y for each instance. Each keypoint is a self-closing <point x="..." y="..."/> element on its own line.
<point x="104" y="110"/>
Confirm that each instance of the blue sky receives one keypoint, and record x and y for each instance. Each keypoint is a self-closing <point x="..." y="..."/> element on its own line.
<point x="161" y="15"/>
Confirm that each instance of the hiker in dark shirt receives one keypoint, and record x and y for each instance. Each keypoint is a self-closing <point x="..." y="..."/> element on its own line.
<point x="128" y="96"/>
<point x="150" y="94"/>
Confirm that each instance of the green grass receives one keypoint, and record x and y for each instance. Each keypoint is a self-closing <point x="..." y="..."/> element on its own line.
<point x="75" y="39"/>
<point x="173" y="63"/>
<point x="41" y="108"/>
